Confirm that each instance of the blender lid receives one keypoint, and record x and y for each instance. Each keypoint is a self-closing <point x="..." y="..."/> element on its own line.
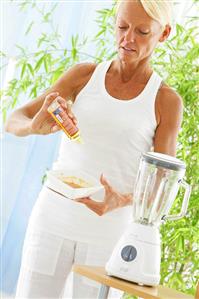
<point x="163" y="160"/>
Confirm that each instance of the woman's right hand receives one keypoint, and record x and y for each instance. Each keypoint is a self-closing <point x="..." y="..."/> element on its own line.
<point x="43" y="123"/>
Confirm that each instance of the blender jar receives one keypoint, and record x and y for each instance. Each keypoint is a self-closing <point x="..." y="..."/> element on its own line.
<point x="158" y="180"/>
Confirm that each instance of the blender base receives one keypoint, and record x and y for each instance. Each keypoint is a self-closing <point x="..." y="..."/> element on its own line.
<point x="136" y="257"/>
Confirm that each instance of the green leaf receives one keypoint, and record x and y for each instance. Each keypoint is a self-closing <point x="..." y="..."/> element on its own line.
<point x="38" y="53"/>
<point x="100" y="33"/>
<point x="179" y="29"/>
<point x="39" y="63"/>
<point x="54" y="7"/>
<point x="29" y="28"/>
<point x="14" y="100"/>
<point x="46" y="17"/>
<point x="30" y="69"/>
<point x="74" y="40"/>
<point x="23" y="70"/>
<point x="23" y="5"/>
<point x="21" y="49"/>
<point x="55" y="76"/>
<point x="46" y="64"/>
<point x="74" y="53"/>
<point x="4" y="115"/>
<point x="42" y="39"/>
<point x="33" y="92"/>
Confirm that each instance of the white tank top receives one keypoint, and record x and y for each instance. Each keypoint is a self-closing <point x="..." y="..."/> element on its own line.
<point x="115" y="133"/>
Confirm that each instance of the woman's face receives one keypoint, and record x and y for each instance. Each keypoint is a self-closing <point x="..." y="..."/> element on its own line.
<point x="137" y="34"/>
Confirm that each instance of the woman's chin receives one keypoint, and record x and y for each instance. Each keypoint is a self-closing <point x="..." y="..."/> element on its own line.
<point x="127" y="58"/>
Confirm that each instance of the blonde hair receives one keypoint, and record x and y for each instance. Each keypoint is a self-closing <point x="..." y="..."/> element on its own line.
<point x="159" y="10"/>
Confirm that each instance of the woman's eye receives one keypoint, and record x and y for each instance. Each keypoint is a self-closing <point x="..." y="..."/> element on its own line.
<point x="122" y="27"/>
<point x="144" y="33"/>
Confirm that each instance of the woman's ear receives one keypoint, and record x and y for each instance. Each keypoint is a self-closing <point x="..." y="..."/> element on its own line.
<point x="165" y="34"/>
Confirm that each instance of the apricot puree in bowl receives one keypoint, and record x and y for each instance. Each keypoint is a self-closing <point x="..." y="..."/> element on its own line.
<point x="75" y="182"/>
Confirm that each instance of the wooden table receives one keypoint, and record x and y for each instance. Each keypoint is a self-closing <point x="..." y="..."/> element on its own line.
<point x="98" y="274"/>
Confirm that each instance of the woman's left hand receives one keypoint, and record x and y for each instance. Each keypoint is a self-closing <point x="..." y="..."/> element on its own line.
<point x="112" y="199"/>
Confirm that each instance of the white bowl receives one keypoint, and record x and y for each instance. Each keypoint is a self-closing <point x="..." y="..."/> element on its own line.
<point x="55" y="182"/>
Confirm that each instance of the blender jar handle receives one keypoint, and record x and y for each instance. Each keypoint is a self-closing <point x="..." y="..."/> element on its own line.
<point x="185" y="202"/>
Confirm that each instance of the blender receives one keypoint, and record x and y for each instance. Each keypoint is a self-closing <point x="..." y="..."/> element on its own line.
<point x="136" y="256"/>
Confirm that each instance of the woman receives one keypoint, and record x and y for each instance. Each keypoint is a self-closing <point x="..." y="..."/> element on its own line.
<point x="122" y="108"/>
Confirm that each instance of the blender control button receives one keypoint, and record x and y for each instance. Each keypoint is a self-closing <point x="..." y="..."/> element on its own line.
<point x="128" y="253"/>
<point x="133" y="253"/>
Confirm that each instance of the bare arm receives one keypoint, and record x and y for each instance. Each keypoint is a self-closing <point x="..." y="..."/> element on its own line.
<point x="33" y="118"/>
<point x="169" y="111"/>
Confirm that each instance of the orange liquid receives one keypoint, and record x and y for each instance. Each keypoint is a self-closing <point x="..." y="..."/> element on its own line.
<point x="73" y="185"/>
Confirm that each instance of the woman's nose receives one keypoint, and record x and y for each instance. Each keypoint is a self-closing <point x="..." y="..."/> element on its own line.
<point x="130" y="36"/>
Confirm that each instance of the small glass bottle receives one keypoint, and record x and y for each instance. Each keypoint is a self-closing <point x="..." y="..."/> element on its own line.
<point x="55" y="109"/>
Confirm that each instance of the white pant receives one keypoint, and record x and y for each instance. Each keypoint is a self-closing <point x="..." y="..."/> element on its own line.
<point x="47" y="261"/>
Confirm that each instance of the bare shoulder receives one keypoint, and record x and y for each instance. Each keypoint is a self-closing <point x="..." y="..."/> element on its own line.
<point x="168" y="102"/>
<point x="79" y="75"/>
<point x="168" y="96"/>
<point x="73" y="80"/>
<point x="84" y="68"/>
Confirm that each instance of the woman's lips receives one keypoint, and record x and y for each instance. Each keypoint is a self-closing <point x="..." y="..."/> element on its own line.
<point x="129" y="50"/>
